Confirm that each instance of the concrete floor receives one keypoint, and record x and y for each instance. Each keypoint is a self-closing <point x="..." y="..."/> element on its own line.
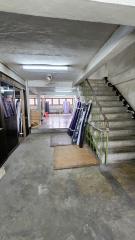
<point x="38" y="203"/>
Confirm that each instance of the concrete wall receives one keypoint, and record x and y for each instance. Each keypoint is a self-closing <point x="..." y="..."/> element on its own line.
<point x="120" y="71"/>
<point x="100" y="73"/>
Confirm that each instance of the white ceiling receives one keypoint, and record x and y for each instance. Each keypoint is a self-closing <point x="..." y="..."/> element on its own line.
<point x="38" y="40"/>
<point x="107" y="11"/>
<point x="120" y="2"/>
<point x="58" y="32"/>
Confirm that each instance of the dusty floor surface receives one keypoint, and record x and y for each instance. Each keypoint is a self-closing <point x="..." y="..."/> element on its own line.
<point x="38" y="203"/>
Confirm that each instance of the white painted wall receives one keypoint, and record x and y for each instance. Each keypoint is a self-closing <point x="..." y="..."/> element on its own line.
<point x="120" y="71"/>
<point x="100" y="73"/>
<point x="123" y="37"/>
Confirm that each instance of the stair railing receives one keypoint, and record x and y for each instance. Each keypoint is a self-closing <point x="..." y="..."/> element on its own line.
<point x="97" y="130"/>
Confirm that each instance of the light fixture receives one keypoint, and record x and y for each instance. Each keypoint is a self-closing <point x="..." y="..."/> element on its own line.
<point x="45" y="67"/>
<point x="63" y="91"/>
<point x="49" y="78"/>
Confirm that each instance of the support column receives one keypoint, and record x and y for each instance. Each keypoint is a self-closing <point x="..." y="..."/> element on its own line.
<point x="38" y="103"/>
<point x="28" y="103"/>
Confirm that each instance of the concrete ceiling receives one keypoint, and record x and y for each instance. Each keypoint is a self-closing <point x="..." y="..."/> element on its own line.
<point x="38" y="40"/>
<point x="107" y="11"/>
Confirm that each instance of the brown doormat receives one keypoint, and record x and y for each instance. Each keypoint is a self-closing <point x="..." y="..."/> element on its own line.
<point x="60" y="140"/>
<point x="72" y="156"/>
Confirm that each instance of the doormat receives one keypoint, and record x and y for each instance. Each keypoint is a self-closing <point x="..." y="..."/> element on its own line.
<point x="60" y="140"/>
<point x="72" y="156"/>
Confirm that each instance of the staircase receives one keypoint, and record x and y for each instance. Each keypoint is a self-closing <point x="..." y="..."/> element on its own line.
<point x="120" y="142"/>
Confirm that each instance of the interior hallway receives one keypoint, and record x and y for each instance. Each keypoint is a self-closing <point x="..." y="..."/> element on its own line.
<point x="38" y="203"/>
<point x="56" y="121"/>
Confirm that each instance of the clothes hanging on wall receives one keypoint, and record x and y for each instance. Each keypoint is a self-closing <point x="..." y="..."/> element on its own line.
<point x="8" y="107"/>
<point x="47" y="106"/>
<point x="19" y="115"/>
<point x="5" y="110"/>
<point x="66" y="107"/>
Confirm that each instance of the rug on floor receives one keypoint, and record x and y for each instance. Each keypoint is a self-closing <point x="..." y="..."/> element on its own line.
<point x="60" y="140"/>
<point x="72" y="156"/>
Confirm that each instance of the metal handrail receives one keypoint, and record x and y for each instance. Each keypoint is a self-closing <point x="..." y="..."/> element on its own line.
<point x="98" y="129"/>
<point x="97" y="102"/>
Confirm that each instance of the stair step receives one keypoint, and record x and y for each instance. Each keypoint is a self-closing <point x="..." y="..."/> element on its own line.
<point x="114" y="110"/>
<point x="122" y="127"/>
<point x="121" y="124"/>
<point x="111" y="116"/>
<point x="104" y="93"/>
<point x="110" y="103"/>
<point x="119" y="154"/>
<point x="122" y="132"/>
<point x="117" y="124"/>
<point x="115" y="116"/>
<point x="121" y="138"/>
<point x="118" y="137"/>
<point x="121" y="143"/>
<point x="122" y="149"/>
<point x="107" y="98"/>
<point x="110" y="110"/>
<point x="118" y="157"/>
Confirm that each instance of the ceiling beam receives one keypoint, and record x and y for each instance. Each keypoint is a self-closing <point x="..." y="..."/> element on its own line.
<point x="120" y="39"/>
<point x="37" y="83"/>
<point x="118" y="2"/>
<point x="107" y="11"/>
<point x="43" y="83"/>
<point x="4" y="69"/>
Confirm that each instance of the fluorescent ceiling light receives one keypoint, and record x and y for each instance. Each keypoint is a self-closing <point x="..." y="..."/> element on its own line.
<point x="63" y="91"/>
<point x="45" y="67"/>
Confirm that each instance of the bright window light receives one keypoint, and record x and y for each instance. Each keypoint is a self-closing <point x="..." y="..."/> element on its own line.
<point x="45" y="67"/>
<point x="6" y="90"/>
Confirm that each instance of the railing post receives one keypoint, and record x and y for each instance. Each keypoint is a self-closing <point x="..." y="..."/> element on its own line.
<point x="106" y="150"/>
